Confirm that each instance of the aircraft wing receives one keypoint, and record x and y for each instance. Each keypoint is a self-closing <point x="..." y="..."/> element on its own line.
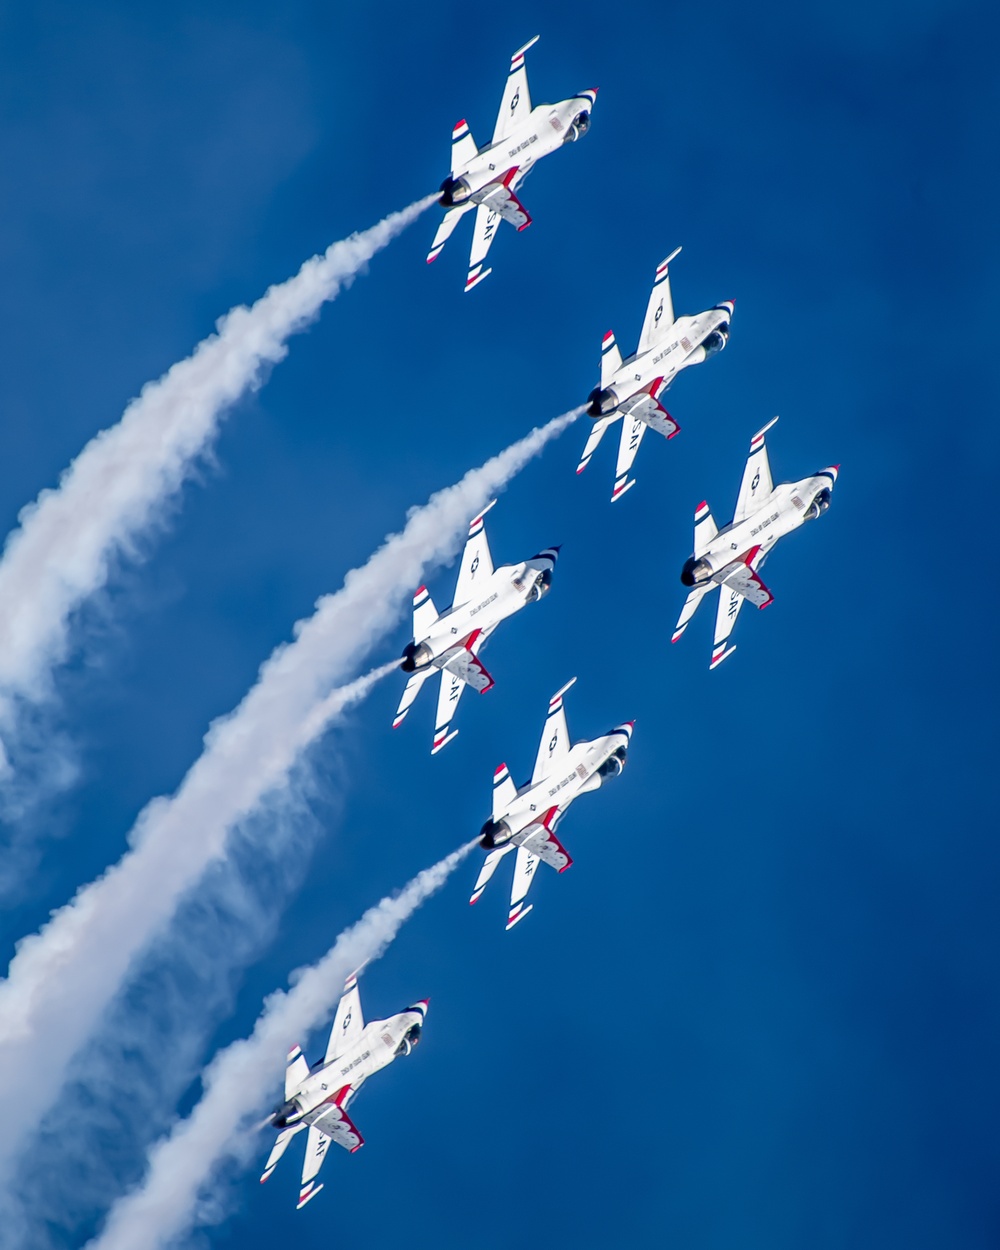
<point x="524" y="873"/>
<point x="483" y="234"/>
<point x="348" y="1022"/>
<point x="736" y="587"/>
<point x="695" y="597"/>
<point x="446" y="228"/>
<point x="593" y="439"/>
<point x="756" y="484"/>
<point x="462" y="667"/>
<point x="633" y="428"/>
<point x="660" y="309"/>
<point x="410" y="692"/>
<point x="516" y="103"/>
<point x="555" y="737"/>
<point x="490" y="865"/>
<point x="477" y="563"/>
<point x="279" y="1148"/>
<point x="316" y="1147"/>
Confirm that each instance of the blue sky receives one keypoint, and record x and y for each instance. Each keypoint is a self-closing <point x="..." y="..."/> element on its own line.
<point x="761" y="1008"/>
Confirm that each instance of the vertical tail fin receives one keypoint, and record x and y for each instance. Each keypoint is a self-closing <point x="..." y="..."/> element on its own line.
<point x="463" y="148"/>
<point x="705" y="529"/>
<point x="611" y="359"/>
<point x="424" y="614"/>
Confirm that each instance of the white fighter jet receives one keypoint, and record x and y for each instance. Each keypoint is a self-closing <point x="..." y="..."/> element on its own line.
<point x="487" y="178"/>
<point x="630" y="388"/>
<point x="449" y="642"/>
<point x="731" y="557"/>
<point x="317" y="1098"/>
<point x="526" y="818"/>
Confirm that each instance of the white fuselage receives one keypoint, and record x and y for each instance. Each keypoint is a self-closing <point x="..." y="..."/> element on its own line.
<point x="685" y="345"/>
<point x="787" y="507"/>
<point x="378" y="1044"/>
<point x="546" y="128"/>
<point x="577" y="772"/>
<point x="508" y="589"/>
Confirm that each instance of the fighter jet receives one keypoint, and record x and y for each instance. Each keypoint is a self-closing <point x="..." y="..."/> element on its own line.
<point x="449" y="642"/>
<point x="630" y="388"/>
<point x="487" y="178"/>
<point x="731" y="557"/>
<point x="526" y="818"/>
<point x="317" y="1098"/>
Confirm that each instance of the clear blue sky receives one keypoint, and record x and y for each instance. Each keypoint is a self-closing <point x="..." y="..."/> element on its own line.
<point x="761" y="1010"/>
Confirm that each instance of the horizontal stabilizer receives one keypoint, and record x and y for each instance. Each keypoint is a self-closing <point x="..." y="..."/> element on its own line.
<point x="542" y="841"/>
<point x="463" y="662"/>
<point x="504" y="791"/>
<point x="745" y="580"/>
<point x="647" y="408"/>
<point x="332" y="1121"/>
<point x="500" y="199"/>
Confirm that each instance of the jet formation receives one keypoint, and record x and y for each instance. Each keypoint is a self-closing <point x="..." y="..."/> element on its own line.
<point x="449" y="642"/>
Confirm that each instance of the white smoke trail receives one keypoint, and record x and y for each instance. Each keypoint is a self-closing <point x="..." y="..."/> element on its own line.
<point x="62" y="978"/>
<point x="115" y="488"/>
<point x="241" y="1078"/>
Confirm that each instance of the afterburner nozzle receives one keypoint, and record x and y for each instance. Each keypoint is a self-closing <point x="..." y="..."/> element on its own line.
<point x="601" y="403"/>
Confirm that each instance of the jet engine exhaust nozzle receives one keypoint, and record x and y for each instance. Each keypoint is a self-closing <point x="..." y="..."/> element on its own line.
<point x="578" y="127"/>
<point x="454" y="191"/>
<point x="414" y="656"/>
<point x="287" y="1111"/>
<point x="819" y="505"/>
<point x="695" y="572"/>
<point x="493" y="834"/>
<point x="601" y="403"/>
<point x="717" y="340"/>
<point x="613" y="765"/>
<point x="411" y="1039"/>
